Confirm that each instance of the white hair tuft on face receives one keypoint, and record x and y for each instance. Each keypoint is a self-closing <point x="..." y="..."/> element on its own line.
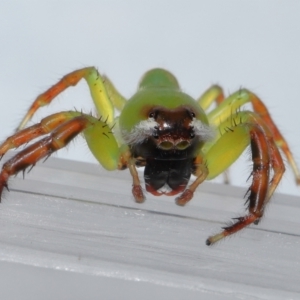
<point x="140" y="132"/>
<point x="145" y="129"/>
<point x="205" y="132"/>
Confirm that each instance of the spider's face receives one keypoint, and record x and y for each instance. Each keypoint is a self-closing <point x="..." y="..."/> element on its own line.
<point x="169" y="129"/>
<point x="172" y="129"/>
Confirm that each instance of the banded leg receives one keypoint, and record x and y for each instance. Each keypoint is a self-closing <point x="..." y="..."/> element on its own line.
<point x="45" y="126"/>
<point x="265" y="156"/>
<point x="97" y="133"/>
<point x="97" y="88"/>
<point x="276" y="161"/>
<point x="233" y="103"/>
<point x="59" y="138"/>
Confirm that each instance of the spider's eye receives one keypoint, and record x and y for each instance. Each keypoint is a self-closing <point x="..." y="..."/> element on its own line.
<point x="151" y="115"/>
<point x="192" y="135"/>
<point x="193" y="114"/>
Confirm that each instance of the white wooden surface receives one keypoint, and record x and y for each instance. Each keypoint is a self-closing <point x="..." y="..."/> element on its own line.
<point x="71" y="230"/>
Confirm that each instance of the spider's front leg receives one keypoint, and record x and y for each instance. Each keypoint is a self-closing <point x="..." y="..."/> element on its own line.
<point x="234" y="102"/>
<point x="63" y="127"/>
<point x="104" y="94"/>
<point x="59" y="138"/>
<point x="248" y="128"/>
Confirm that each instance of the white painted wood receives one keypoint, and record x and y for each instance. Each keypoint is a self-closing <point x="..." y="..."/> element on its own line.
<point x="71" y="230"/>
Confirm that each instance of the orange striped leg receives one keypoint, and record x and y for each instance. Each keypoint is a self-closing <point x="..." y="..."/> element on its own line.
<point x="277" y="166"/>
<point x="58" y="139"/>
<point x="276" y="161"/>
<point x="45" y="126"/>
<point x="259" y="187"/>
<point x="262" y="110"/>
<point x="45" y="98"/>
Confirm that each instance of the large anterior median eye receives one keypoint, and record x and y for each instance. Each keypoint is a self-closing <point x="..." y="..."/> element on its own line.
<point x="182" y="145"/>
<point x="166" y="145"/>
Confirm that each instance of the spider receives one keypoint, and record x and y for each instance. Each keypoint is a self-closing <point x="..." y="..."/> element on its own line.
<point x="167" y="132"/>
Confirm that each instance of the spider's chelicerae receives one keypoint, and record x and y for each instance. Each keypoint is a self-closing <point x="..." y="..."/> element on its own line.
<point x="167" y="132"/>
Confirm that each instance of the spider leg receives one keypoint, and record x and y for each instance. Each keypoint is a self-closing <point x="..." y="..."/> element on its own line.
<point x="233" y="103"/>
<point x="97" y="89"/>
<point x="262" y="110"/>
<point x="251" y="129"/>
<point x="276" y="161"/>
<point x="62" y="128"/>
<point x="214" y="94"/>
<point x="58" y="138"/>
<point x="114" y="95"/>
<point x="45" y="126"/>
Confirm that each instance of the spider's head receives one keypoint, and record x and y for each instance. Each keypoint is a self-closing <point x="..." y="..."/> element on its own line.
<point x="170" y="129"/>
